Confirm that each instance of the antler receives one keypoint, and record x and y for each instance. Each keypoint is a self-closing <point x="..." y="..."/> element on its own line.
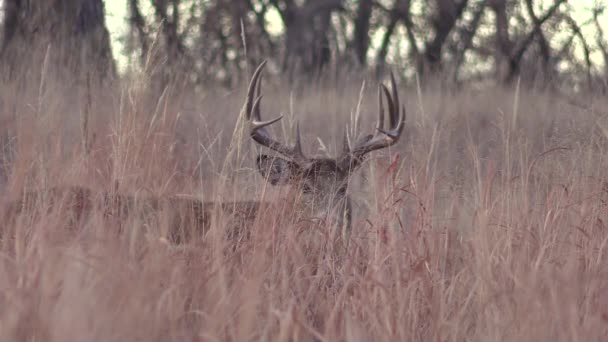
<point x="383" y="137"/>
<point x="258" y="127"/>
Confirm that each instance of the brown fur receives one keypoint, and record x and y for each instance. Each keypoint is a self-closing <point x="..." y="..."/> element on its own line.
<point x="187" y="217"/>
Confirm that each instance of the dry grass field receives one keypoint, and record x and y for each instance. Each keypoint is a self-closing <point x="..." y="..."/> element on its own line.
<point x="487" y="222"/>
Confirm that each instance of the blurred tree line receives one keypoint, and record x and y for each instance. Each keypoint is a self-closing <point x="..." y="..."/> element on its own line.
<point x="453" y="41"/>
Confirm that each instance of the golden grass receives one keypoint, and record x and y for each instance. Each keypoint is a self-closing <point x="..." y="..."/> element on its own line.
<point x="487" y="223"/>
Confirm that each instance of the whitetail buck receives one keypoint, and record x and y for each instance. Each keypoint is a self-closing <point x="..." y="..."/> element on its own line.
<point x="320" y="183"/>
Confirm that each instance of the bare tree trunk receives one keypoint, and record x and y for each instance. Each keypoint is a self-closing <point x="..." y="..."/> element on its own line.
<point x="510" y="54"/>
<point x="601" y="43"/>
<point x="504" y="46"/>
<point x="73" y="32"/>
<point x="467" y="36"/>
<point x="586" y="50"/>
<point x="428" y="61"/>
<point x="543" y="44"/>
<point x="388" y="33"/>
<point x="139" y="27"/>
<point x="448" y="12"/>
<point x="362" y="24"/>
<point x="399" y="12"/>
<point x="260" y="21"/>
<point x="306" y="34"/>
<point x="169" y="21"/>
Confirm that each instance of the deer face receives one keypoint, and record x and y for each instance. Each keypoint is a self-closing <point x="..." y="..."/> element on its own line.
<point x="321" y="185"/>
<point x="322" y="182"/>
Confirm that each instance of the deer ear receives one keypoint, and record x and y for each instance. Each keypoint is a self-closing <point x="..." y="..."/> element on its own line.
<point x="276" y="170"/>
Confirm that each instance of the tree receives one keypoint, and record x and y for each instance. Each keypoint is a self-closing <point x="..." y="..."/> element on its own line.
<point x="71" y="33"/>
<point x="306" y="33"/>
<point x="510" y="52"/>
<point x="425" y="49"/>
<point x="443" y="21"/>
<point x="362" y="28"/>
<point x="465" y="39"/>
<point x="451" y="40"/>
<point x="601" y="42"/>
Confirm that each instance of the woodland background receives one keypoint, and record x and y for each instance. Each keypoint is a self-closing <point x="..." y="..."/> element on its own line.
<point x="559" y="44"/>
<point x="488" y="221"/>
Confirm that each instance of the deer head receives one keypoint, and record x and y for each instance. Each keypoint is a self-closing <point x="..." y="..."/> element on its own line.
<point x="323" y="182"/>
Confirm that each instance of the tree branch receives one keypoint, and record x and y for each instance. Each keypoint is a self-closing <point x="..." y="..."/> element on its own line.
<point x="139" y="23"/>
<point x="523" y="45"/>
<point x="600" y="39"/>
<point x="586" y="50"/>
<point x="313" y="7"/>
<point x="545" y="49"/>
<point x="468" y="34"/>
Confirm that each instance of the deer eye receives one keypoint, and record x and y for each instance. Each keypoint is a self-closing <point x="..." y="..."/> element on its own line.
<point x="306" y="188"/>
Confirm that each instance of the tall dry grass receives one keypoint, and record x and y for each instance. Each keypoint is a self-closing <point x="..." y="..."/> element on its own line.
<point x="488" y="222"/>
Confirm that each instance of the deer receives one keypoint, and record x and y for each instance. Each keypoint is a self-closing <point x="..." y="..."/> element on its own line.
<point x="320" y="183"/>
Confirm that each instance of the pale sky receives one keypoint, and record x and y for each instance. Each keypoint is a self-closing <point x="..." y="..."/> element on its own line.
<point x="116" y="13"/>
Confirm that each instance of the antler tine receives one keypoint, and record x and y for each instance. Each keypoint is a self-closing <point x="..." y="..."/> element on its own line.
<point x="297" y="147"/>
<point x="380" y="109"/>
<point x="346" y="142"/>
<point x="258" y="130"/>
<point x="391" y="107"/>
<point x="394" y="116"/>
<point x="384" y="137"/>
<point x="253" y="91"/>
